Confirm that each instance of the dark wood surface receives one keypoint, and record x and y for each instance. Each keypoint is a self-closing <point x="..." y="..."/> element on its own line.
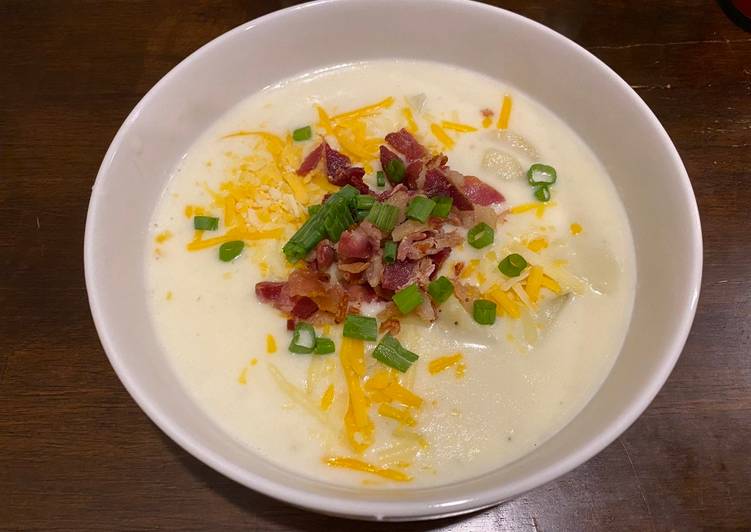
<point x="77" y="453"/>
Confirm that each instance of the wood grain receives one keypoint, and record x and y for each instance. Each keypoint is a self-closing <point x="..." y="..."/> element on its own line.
<point x="76" y="453"/>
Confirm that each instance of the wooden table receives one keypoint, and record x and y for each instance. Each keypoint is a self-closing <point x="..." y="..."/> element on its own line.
<point x="77" y="453"/>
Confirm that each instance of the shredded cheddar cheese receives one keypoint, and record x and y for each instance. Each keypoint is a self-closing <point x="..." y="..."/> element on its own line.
<point x="243" y="378"/>
<point x="505" y="114"/>
<point x="168" y="295"/>
<point x="359" y="465"/>
<point x="442" y="363"/>
<point x="487" y="122"/>
<point x="538" y="244"/>
<point x="456" y="126"/>
<point x="504" y="302"/>
<point x="402" y="416"/>
<point x="442" y="136"/>
<point x="551" y="284"/>
<point x="411" y="124"/>
<point x="576" y="229"/>
<point x="400" y="394"/>
<point x="233" y="234"/>
<point x="270" y="343"/>
<point x="327" y="398"/>
<point x="358" y="426"/>
<point x="534" y="283"/>
<point x="366" y="110"/>
<point x="163" y="237"/>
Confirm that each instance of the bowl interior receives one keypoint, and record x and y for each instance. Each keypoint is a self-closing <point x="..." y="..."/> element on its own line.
<point x="598" y="105"/>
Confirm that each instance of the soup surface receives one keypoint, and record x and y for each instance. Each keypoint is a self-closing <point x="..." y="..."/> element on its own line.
<point x="479" y="394"/>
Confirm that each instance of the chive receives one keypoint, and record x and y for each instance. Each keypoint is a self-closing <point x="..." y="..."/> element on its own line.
<point x="541" y="174"/>
<point x="442" y="206"/>
<point x="324" y="346"/>
<point x="383" y="216"/>
<point x="231" y="250"/>
<point x="512" y="265"/>
<point x="480" y="235"/>
<point x="407" y="299"/>
<point x="420" y="208"/>
<point x="361" y="215"/>
<point x="389" y="251"/>
<point x="338" y="218"/>
<point x="483" y="311"/>
<point x="302" y="133"/>
<point x="542" y="193"/>
<point x="364" y="202"/>
<point x="314" y="230"/>
<point x="312" y="209"/>
<point x="395" y="170"/>
<point x="303" y="339"/>
<point x="205" y="223"/>
<point x="440" y="289"/>
<point x="380" y="178"/>
<point x="360" y="327"/>
<point x="390" y="352"/>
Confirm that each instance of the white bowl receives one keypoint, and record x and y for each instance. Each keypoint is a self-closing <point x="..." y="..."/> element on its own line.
<point x="591" y="98"/>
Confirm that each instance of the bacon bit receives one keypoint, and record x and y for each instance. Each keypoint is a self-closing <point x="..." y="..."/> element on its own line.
<point x="311" y="160"/>
<point x="325" y="255"/>
<point x="414" y="176"/>
<point x="458" y="267"/>
<point x="391" y="326"/>
<point x="398" y="274"/>
<point x="304" y="308"/>
<point x="359" y="465"/>
<point x="291" y="324"/>
<point x="360" y="293"/>
<point x="487" y="113"/>
<point x="403" y="142"/>
<point x="480" y="192"/>
<point x="359" y="243"/>
<point x="438" y="184"/>
<point x="438" y="260"/>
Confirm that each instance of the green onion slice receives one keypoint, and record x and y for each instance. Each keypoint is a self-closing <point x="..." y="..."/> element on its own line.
<point x="205" y="223"/>
<point x="360" y="327"/>
<point x="442" y="206"/>
<point x="390" y="352"/>
<point x="303" y="339"/>
<point x="389" y="251"/>
<point x="542" y="193"/>
<point x="541" y="174"/>
<point x="420" y="208"/>
<point x="312" y="209"/>
<point x="380" y="178"/>
<point x="364" y="202"/>
<point x="231" y="250"/>
<point x="395" y="170"/>
<point x="480" y="235"/>
<point x="512" y="265"/>
<point x="407" y="299"/>
<point x="483" y="311"/>
<point x="440" y="289"/>
<point x="302" y="133"/>
<point x="383" y="216"/>
<point x="324" y="346"/>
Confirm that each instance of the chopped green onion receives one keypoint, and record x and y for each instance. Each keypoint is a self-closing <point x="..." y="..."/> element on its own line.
<point x="361" y="215"/>
<point x="338" y="218"/>
<point x="395" y="170"/>
<point x="541" y="174"/>
<point x="380" y="178"/>
<point x="205" y="223"/>
<point x="442" y="206"/>
<point x="312" y="209"/>
<point x="480" y="235"/>
<point x="364" y="202"/>
<point x="360" y="327"/>
<point x="542" y="193"/>
<point x="390" y="352"/>
<point x="440" y="289"/>
<point x="407" y="299"/>
<point x="231" y="250"/>
<point x="303" y="339"/>
<point x="383" y="216"/>
<point x="389" y="251"/>
<point x="483" y="311"/>
<point x="324" y="346"/>
<point x="302" y="133"/>
<point x="314" y="230"/>
<point x="512" y="265"/>
<point x="420" y="208"/>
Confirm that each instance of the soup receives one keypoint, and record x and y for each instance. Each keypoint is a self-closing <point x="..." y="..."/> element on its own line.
<point x="390" y="274"/>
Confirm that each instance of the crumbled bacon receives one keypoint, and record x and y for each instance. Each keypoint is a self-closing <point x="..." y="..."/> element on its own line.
<point x="426" y="311"/>
<point x="322" y="256"/>
<point x="480" y="192"/>
<point x="437" y="184"/>
<point x="304" y="308"/>
<point x="403" y="142"/>
<point x="338" y="167"/>
<point x="487" y="113"/>
<point x="438" y="260"/>
<point x="391" y="326"/>
<point x="311" y="161"/>
<point x="414" y="175"/>
<point x="397" y="275"/>
<point x="359" y="243"/>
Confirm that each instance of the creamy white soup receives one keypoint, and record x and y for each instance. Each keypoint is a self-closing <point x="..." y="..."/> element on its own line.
<point x="356" y="308"/>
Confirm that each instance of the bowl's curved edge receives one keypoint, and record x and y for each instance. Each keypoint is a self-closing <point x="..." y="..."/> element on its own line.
<point x="381" y="511"/>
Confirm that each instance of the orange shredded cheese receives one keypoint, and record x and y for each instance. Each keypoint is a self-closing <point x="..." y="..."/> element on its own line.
<point x="359" y="465"/>
<point x="243" y="378"/>
<point x="469" y="269"/>
<point x="270" y="343"/>
<point x="411" y="124"/>
<point x="366" y="110"/>
<point x="551" y="284"/>
<point x="400" y="394"/>
<point x="442" y="363"/>
<point x="402" y="416"/>
<point x="379" y="381"/>
<point x="456" y="126"/>
<point x="576" y="229"/>
<point x="327" y="398"/>
<point x="253" y="361"/>
<point x="504" y="302"/>
<point x="442" y="136"/>
<point x="487" y="122"/>
<point x="168" y="295"/>
<point x="505" y="114"/>
<point x="163" y="237"/>
<point x="538" y="244"/>
<point x="233" y="234"/>
<point x="357" y="424"/>
<point x="534" y="283"/>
